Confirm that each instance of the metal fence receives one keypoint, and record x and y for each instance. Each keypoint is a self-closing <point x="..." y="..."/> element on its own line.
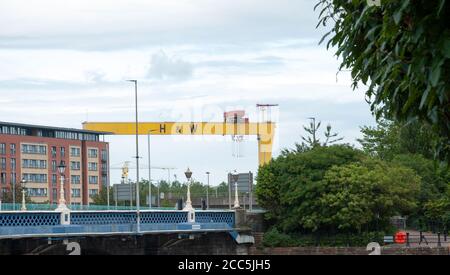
<point x="74" y="207"/>
<point x="420" y="239"/>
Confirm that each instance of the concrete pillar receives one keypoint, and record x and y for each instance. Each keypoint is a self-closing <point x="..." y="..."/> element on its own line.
<point x="239" y="218"/>
<point x="191" y="216"/>
<point x="65" y="216"/>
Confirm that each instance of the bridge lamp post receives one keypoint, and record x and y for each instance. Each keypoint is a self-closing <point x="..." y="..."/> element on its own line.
<point x="24" y="206"/>
<point x="62" y="200"/>
<point x="188" y="206"/>
<point x="235" y="177"/>
<point x="207" y="192"/>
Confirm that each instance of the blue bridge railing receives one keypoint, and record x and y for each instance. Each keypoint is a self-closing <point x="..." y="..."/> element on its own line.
<point x="42" y="223"/>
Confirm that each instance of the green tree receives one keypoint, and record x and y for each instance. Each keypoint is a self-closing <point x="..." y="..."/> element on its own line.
<point x="360" y="196"/>
<point x="222" y="189"/>
<point x="101" y="198"/>
<point x="312" y="140"/>
<point x="390" y="138"/>
<point x="400" y="51"/>
<point x="7" y="197"/>
<point x="438" y="211"/>
<point x="335" y="189"/>
<point x="287" y="183"/>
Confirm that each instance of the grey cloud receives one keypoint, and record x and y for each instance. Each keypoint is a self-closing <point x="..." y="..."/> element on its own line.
<point x="163" y="67"/>
<point x="208" y="22"/>
<point x="94" y="80"/>
<point x="259" y="62"/>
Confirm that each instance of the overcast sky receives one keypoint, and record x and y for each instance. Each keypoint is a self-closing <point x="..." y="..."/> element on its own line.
<point x="65" y="62"/>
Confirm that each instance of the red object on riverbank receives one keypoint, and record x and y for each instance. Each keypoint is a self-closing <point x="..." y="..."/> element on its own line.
<point x="400" y="237"/>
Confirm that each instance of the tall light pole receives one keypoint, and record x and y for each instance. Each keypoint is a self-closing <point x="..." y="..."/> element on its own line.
<point x="188" y="206"/>
<point x="149" y="172"/>
<point x="207" y="192"/>
<point x="138" y="218"/>
<point x="62" y="200"/>
<point x="235" y="177"/>
<point x="24" y="206"/>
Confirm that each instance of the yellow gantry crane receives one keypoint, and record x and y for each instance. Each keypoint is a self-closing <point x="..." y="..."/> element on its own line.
<point x="263" y="130"/>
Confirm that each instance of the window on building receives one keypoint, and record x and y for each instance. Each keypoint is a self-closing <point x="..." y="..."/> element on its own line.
<point x="12" y="148"/>
<point x="3" y="163"/>
<point x="104" y="155"/>
<point x="3" y="178"/>
<point x="63" y="152"/>
<point x="104" y="180"/>
<point x="55" y="194"/>
<point x="37" y="192"/>
<point x="54" y="166"/>
<point x="34" y="164"/>
<point x="2" y="148"/>
<point x="54" y="180"/>
<point x="35" y="178"/>
<point x="53" y="152"/>
<point x="93" y="192"/>
<point x="90" y="137"/>
<point x="93" y="180"/>
<point x="67" y="135"/>
<point x="75" y="179"/>
<point x="75" y="151"/>
<point x="75" y="165"/>
<point x="13" y="178"/>
<point x="12" y="130"/>
<point x="93" y="153"/>
<point x="34" y="149"/>
<point x="104" y="168"/>
<point x="76" y="193"/>
<point x="13" y="164"/>
<point x="92" y="166"/>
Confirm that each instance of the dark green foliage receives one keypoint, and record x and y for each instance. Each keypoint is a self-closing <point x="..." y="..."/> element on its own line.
<point x="275" y="238"/>
<point x="411" y="145"/>
<point x="287" y="180"/>
<point x="8" y="196"/>
<point x="363" y="196"/>
<point x="336" y="190"/>
<point x="175" y="188"/>
<point x="400" y="51"/>
<point x="389" y="139"/>
<point x="312" y="140"/>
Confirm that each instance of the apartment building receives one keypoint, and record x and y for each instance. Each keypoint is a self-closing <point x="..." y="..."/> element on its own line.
<point x="33" y="153"/>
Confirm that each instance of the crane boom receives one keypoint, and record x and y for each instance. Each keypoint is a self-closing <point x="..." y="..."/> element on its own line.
<point x="264" y="131"/>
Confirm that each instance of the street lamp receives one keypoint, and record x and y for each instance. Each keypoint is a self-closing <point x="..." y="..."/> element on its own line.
<point x="62" y="201"/>
<point x="235" y="177"/>
<point x="149" y="172"/>
<point x="24" y="206"/>
<point x="188" y="206"/>
<point x="207" y="192"/>
<point x="138" y="219"/>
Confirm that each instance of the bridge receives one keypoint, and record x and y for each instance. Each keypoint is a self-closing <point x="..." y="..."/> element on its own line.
<point x="25" y="228"/>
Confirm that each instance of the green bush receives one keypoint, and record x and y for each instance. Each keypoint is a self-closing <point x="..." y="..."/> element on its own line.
<point x="275" y="238"/>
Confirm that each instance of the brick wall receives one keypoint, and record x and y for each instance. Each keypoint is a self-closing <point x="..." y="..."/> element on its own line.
<point x="347" y="251"/>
